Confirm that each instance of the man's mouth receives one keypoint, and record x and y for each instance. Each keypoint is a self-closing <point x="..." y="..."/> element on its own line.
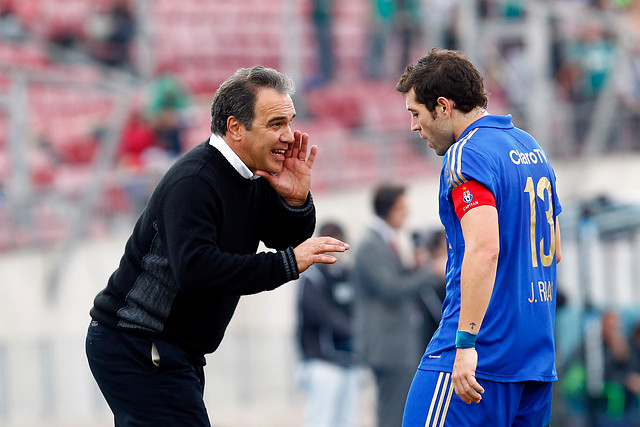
<point x="279" y="152"/>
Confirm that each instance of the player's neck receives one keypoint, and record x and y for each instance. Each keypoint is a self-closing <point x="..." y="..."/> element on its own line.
<point x="475" y="114"/>
<point x="466" y="119"/>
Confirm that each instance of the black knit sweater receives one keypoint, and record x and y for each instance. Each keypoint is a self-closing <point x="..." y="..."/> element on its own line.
<point x="192" y="253"/>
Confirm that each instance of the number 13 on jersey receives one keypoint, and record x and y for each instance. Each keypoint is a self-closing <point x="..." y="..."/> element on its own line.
<point x="543" y="192"/>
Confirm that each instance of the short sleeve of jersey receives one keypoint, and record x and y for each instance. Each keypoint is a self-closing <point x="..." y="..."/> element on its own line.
<point x="465" y="162"/>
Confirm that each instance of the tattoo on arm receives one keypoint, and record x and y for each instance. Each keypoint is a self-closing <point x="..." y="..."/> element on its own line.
<point x="473" y="325"/>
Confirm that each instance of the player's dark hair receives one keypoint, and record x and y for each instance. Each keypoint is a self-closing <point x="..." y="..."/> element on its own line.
<point x="237" y="95"/>
<point x="385" y="198"/>
<point x="446" y="73"/>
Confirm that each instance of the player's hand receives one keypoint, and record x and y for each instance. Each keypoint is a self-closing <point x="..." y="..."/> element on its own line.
<point x="294" y="181"/>
<point x="317" y="250"/>
<point x="464" y="376"/>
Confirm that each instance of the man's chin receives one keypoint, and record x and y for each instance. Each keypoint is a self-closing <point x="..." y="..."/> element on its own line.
<point x="275" y="170"/>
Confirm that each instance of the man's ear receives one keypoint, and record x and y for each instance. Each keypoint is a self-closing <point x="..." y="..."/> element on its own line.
<point x="444" y="106"/>
<point x="235" y="128"/>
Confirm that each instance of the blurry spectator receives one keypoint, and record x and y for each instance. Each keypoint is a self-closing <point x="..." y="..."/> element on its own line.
<point x="616" y="407"/>
<point x="168" y="100"/>
<point x="65" y="37"/>
<point x="629" y="94"/>
<point x="617" y="352"/>
<point x="123" y="32"/>
<point x="591" y="58"/>
<point x="601" y="4"/>
<point x="518" y="72"/>
<point x="513" y="9"/>
<point x="110" y="31"/>
<point x="322" y="17"/>
<point x="97" y="30"/>
<point x="448" y="9"/>
<point x="137" y="137"/>
<point x="562" y="74"/>
<point x="633" y="379"/>
<point x="329" y="377"/>
<point x="600" y="384"/>
<point x="408" y="27"/>
<point x="390" y="19"/>
<point x="11" y="27"/>
<point x="387" y="317"/>
<point x="431" y="249"/>
<point x="380" y="30"/>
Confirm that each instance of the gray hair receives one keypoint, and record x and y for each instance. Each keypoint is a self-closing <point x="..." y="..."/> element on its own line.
<point x="237" y="95"/>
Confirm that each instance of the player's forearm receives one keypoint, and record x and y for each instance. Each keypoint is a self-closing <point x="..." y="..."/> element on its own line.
<point x="478" y="272"/>
<point x="477" y="278"/>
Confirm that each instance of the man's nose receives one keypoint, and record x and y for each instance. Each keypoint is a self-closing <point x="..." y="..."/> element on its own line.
<point x="287" y="135"/>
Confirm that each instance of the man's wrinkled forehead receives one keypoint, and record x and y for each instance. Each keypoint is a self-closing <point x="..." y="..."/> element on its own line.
<point x="274" y="106"/>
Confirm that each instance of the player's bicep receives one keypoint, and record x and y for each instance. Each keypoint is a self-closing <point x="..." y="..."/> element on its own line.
<point x="481" y="232"/>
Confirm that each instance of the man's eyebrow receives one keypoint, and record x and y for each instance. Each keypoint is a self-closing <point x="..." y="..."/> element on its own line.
<point x="279" y="118"/>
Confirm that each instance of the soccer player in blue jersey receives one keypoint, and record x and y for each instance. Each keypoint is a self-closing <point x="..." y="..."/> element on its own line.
<point x="498" y="203"/>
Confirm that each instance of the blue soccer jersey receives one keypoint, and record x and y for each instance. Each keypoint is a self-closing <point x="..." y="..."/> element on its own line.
<point x="516" y="340"/>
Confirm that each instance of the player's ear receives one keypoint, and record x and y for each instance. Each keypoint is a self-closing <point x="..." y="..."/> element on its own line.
<point x="235" y="128"/>
<point x="444" y="106"/>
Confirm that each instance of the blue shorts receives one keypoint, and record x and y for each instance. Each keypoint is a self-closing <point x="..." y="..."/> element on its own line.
<point x="433" y="403"/>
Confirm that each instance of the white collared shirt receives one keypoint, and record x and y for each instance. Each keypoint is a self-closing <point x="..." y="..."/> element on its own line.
<point x="231" y="156"/>
<point x="395" y="238"/>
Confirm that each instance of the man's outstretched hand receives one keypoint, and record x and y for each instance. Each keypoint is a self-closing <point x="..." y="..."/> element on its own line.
<point x="317" y="250"/>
